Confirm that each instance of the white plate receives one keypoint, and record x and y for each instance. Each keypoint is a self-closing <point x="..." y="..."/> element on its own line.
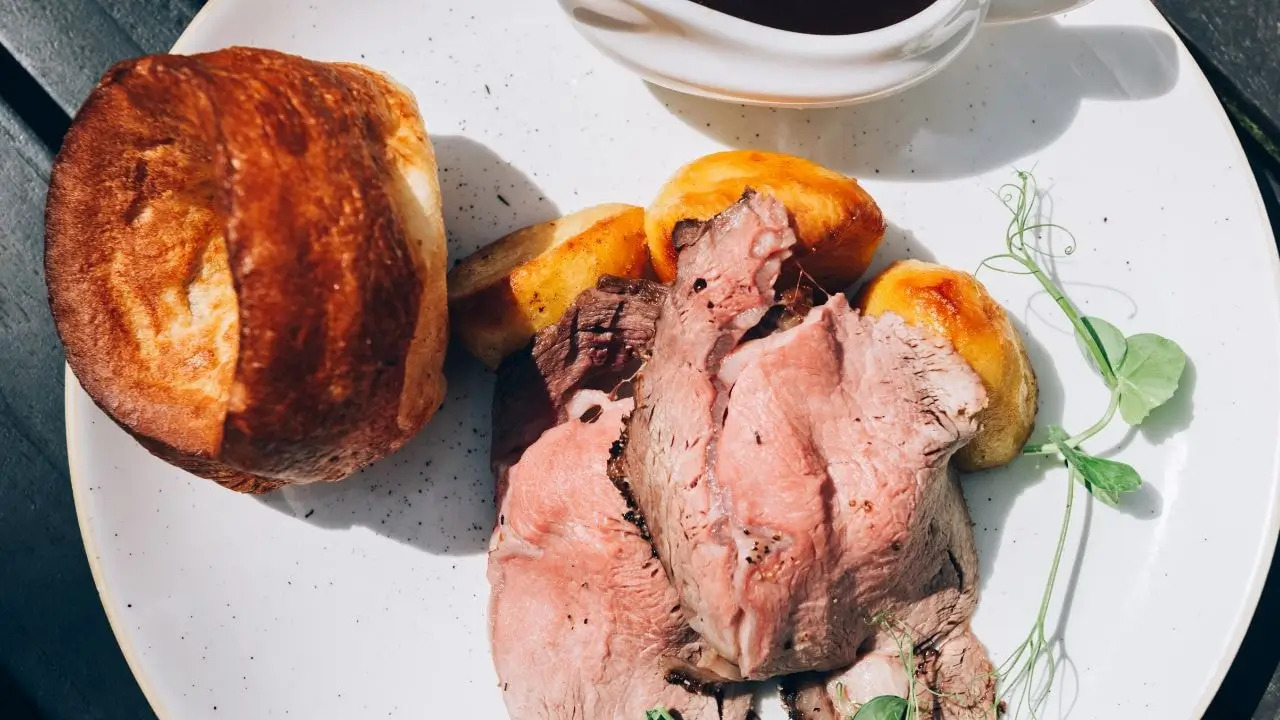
<point x="367" y="599"/>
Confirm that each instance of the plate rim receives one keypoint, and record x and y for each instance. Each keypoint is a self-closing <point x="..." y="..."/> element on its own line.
<point x="1249" y="598"/>
<point x="71" y="386"/>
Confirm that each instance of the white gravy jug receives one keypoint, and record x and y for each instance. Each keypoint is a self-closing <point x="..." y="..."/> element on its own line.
<point x="687" y="47"/>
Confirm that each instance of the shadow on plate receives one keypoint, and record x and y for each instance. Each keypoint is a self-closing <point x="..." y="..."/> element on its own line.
<point x="899" y="244"/>
<point x="1012" y="92"/>
<point x="436" y="494"/>
<point x="484" y="196"/>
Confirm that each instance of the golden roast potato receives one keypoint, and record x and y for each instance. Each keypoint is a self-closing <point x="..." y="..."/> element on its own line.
<point x="507" y="291"/>
<point x="838" y="224"/>
<point x="954" y="305"/>
<point x="245" y="259"/>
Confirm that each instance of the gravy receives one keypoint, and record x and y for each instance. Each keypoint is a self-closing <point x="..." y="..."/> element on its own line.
<point x="820" y="17"/>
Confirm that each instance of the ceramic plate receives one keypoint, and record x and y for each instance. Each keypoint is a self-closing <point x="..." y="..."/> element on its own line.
<point x="367" y="599"/>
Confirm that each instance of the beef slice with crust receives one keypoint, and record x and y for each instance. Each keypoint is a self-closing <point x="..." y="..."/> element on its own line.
<point x="583" y="621"/>
<point x="794" y="483"/>
<point x="596" y="344"/>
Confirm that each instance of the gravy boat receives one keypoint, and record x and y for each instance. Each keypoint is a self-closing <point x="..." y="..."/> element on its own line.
<point x="690" y="48"/>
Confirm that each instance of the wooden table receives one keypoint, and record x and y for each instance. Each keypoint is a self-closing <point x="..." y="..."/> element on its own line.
<point x="58" y="658"/>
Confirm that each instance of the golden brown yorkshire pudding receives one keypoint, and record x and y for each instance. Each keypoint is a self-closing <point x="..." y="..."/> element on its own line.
<point x="245" y="257"/>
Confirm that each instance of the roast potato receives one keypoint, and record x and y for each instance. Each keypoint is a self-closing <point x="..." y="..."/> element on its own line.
<point x="954" y="305"/>
<point x="837" y="223"/>
<point x="508" y="290"/>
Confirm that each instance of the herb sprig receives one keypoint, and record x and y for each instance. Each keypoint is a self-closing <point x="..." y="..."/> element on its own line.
<point x="1141" y="372"/>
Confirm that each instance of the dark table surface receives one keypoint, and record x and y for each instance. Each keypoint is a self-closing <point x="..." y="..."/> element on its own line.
<point x="58" y="658"/>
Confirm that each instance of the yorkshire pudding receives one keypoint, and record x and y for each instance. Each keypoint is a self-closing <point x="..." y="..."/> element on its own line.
<point x="245" y="257"/>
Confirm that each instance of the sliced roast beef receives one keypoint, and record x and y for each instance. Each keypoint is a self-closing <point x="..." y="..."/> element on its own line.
<point x="794" y="482"/>
<point x="583" y="621"/>
<point x="597" y="343"/>
<point x="953" y="676"/>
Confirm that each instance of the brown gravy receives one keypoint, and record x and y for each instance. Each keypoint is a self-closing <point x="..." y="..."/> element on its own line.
<point x="820" y="17"/>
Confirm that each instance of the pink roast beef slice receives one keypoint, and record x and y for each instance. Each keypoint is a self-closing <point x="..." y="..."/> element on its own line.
<point x="794" y="484"/>
<point x="583" y="622"/>
<point x="954" y="679"/>
<point x="597" y="344"/>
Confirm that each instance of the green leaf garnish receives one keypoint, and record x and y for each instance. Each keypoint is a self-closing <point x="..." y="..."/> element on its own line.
<point x="1112" y="343"/>
<point x="658" y="713"/>
<point x="1149" y="375"/>
<point x="1105" y="479"/>
<point x="883" y="707"/>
